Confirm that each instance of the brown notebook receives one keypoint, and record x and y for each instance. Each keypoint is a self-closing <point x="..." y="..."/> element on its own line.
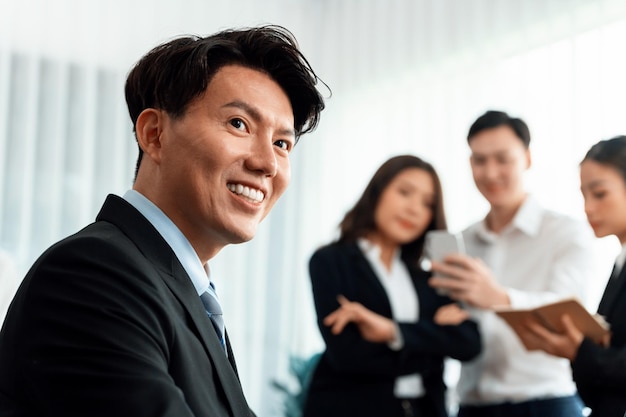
<point x="549" y="315"/>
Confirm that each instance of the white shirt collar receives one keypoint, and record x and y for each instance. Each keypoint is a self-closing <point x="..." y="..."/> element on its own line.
<point x="372" y="249"/>
<point x="527" y="220"/>
<point x="621" y="258"/>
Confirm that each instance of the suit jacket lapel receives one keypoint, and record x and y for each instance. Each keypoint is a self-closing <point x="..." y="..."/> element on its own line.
<point x="231" y="355"/>
<point x="119" y="212"/>
<point x="418" y="277"/>
<point x="225" y="367"/>
<point x="368" y="275"/>
<point x="614" y="286"/>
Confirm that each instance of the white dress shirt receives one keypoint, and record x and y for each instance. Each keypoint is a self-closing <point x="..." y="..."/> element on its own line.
<point x="540" y="257"/>
<point x="404" y="306"/>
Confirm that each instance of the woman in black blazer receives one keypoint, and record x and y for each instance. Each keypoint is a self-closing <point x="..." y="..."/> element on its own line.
<point x="599" y="370"/>
<point x="386" y="330"/>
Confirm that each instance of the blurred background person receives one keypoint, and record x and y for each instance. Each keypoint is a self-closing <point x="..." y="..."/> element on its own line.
<point x="519" y="255"/>
<point x="599" y="370"/>
<point x="386" y="331"/>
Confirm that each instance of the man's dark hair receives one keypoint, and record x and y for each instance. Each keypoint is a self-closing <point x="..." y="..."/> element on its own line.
<point x="494" y="118"/>
<point x="173" y="74"/>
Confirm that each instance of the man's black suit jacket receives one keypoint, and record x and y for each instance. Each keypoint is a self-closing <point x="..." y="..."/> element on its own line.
<point x="108" y="323"/>
<point x="600" y="373"/>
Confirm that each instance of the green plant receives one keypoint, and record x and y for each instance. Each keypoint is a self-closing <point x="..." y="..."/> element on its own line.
<point x="302" y="369"/>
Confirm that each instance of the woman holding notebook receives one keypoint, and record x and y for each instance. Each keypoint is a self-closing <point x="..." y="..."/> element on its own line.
<point x="599" y="368"/>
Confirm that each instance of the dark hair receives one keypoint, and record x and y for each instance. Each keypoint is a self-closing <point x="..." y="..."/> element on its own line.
<point x="360" y="220"/>
<point x="610" y="152"/>
<point x="173" y="74"/>
<point x="494" y="118"/>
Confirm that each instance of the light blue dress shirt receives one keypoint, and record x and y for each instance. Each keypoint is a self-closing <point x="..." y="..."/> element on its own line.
<point x="183" y="250"/>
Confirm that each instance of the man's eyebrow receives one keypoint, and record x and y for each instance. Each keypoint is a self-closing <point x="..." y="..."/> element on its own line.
<point x="499" y="152"/>
<point x="256" y="115"/>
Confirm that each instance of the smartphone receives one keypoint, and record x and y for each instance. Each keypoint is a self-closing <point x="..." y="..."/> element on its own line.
<point x="438" y="244"/>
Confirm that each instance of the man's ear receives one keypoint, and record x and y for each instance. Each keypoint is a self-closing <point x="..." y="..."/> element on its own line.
<point x="528" y="159"/>
<point x="148" y="130"/>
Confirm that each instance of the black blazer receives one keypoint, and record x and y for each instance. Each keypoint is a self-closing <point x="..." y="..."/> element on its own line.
<point x="600" y="373"/>
<point x="355" y="377"/>
<point x="107" y="323"/>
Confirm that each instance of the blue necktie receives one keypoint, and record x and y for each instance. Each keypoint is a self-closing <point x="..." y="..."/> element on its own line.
<point x="214" y="311"/>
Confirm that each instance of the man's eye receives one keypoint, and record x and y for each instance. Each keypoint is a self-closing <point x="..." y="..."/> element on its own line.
<point x="283" y="144"/>
<point x="238" y="124"/>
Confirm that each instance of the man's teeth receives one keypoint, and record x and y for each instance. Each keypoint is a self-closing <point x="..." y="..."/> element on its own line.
<point x="255" y="195"/>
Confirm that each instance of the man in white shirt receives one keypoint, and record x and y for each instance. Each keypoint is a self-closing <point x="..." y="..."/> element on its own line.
<point x="520" y="255"/>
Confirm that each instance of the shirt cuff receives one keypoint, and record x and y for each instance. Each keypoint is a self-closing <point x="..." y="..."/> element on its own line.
<point x="398" y="342"/>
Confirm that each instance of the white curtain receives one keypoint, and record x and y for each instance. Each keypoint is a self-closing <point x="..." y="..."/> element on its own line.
<point x="408" y="76"/>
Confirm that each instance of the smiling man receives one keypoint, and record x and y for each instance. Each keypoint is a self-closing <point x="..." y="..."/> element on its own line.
<point x="121" y="318"/>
